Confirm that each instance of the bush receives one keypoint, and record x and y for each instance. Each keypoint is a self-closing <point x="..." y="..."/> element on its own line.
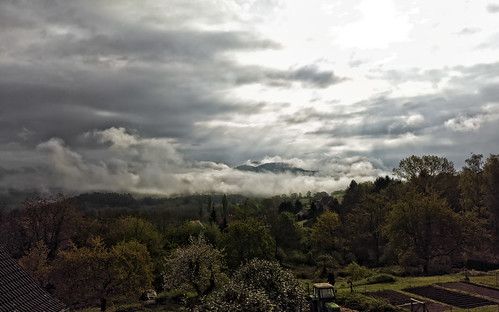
<point x="357" y="272"/>
<point x="380" y="278"/>
<point x="363" y="303"/>
<point x="258" y="285"/>
<point x="178" y="295"/>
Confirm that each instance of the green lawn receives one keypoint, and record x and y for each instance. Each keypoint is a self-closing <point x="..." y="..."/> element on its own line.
<point x="490" y="279"/>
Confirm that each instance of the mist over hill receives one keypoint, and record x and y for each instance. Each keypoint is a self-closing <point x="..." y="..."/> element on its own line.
<point x="277" y="167"/>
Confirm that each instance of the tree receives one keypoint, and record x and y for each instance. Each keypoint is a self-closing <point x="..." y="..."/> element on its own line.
<point x="235" y="296"/>
<point x="313" y="209"/>
<point x="213" y="216"/>
<point x="474" y="236"/>
<point x="429" y="165"/>
<point x="198" y="265"/>
<point x="325" y="233"/>
<point x="179" y="236"/>
<point x="470" y="184"/>
<point x="287" y="206"/>
<point x="365" y="228"/>
<point x="245" y="240"/>
<point x="136" y="229"/>
<point x="250" y="209"/>
<point x="36" y="263"/>
<point x="209" y="206"/>
<point x="355" y="193"/>
<point x="357" y="272"/>
<point x="201" y="209"/>
<point x="53" y="220"/>
<point x="259" y="285"/>
<point x="128" y="229"/>
<point x="224" y="206"/>
<point x="382" y="183"/>
<point x="287" y="234"/>
<point x="96" y="274"/>
<point x="490" y="189"/>
<point x="298" y="206"/>
<point x="13" y="234"/>
<point x="423" y="228"/>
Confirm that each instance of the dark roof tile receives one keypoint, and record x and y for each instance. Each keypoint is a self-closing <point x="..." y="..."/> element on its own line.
<point x="19" y="292"/>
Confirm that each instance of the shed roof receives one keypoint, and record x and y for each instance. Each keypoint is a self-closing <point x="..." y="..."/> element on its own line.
<point x="19" y="292"/>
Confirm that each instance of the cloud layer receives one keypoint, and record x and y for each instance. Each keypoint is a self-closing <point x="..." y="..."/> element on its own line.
<point x="120" y="162"/>
<point x="167" y="97"/>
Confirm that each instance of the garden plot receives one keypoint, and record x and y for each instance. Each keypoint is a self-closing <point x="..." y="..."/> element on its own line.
<point x="474" y="289"/>
<point x="453" y="298"/>
<point x="402" y="300"/>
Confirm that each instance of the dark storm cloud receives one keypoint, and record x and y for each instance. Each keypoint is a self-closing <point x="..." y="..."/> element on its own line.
<point x="149" y="45"/>
<point x="132" y="97"/>
<point x="78" y="68"/>
<point x="136" y="96"/>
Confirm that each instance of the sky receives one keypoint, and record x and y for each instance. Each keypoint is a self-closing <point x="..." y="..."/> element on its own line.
<point x="167" y="97"/>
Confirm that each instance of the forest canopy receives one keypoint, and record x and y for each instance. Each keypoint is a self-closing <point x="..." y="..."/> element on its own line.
<point x="100" y="248"/>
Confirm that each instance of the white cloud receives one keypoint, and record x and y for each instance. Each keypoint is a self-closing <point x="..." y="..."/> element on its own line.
<point x="70" y="171"/>
<point x="379" y="26"/>
<point x="463" y="123"/>
<point x="145" y="166"/>
<point x="116" y="136"/>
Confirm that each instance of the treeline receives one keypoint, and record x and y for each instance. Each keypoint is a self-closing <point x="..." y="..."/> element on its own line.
<point x="435" y="220"/>
<point x="97" y="247"/>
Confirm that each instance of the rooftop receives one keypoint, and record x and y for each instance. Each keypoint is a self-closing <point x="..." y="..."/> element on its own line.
<point x="19" y="292"/>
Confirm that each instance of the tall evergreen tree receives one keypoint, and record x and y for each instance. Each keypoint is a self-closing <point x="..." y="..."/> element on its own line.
<point x="209" y="205"/>
<point x="201" y="209"/>
<point x="224" y="206"/>
<point x="213" y="215"/>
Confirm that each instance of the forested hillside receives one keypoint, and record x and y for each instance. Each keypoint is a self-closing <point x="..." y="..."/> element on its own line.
<point x="97" y="248"/>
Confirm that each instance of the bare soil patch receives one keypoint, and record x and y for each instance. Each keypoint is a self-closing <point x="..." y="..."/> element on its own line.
<point x="473" y="288"/>
<point x="453" y="298"/>
<point x="402" y="300"/>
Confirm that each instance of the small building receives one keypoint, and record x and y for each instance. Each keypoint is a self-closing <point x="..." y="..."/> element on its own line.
<point x="19" y="292"/>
